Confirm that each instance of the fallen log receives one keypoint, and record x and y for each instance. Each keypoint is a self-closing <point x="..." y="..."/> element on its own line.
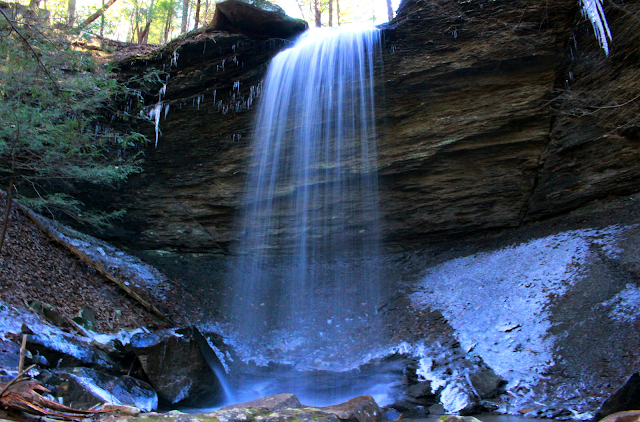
<point x="95" y="265"/>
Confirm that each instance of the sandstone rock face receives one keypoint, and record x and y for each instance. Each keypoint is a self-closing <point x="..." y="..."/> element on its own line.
<point x="192" y="185"/>
<point x="496" y="116"/>
<point x="491" y="117"/>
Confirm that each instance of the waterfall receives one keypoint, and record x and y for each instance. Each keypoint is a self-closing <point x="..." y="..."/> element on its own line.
<point x="304" y="281"/>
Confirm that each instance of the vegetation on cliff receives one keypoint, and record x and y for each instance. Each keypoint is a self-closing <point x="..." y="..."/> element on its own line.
<point x="55" y="123"/>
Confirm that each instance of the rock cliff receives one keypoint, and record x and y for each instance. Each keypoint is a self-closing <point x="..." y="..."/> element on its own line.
<point x="495" y="114"/>
<point x="496" y="117"/>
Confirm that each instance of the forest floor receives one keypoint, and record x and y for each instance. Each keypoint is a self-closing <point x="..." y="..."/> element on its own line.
<point x="33" y="268"/>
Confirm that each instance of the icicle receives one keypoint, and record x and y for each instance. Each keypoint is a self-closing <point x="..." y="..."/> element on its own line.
<point x="154" y="114"/>
<point x="595" y="12"/>
<point x="166" y="110"/>
<point x="174" y="59"/>
<point x="162" y="91"/>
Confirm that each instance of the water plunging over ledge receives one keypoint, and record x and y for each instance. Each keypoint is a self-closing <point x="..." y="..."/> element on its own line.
<point x="305" y="284"/>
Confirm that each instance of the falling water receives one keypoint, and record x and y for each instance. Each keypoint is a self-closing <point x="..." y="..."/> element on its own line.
<point x="305" y="285"/>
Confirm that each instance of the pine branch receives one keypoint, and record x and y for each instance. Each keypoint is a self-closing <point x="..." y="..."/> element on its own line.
<point x="33" y="51"/>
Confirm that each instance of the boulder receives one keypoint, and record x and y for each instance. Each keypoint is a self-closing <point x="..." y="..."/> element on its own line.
<point x="420" y="394"/>
<point x="485" y="382"/>
<point x="177" y="369"/>
<point x="64" y="350"/>
<point x="242" y="18"/>
<point x="272" y="403"/>
<point x="358" y="409"/>
<point x="262" y="414"/>
<point x="455" y="418"/>
<point x="121" y="410"/>
<point x="628" y="416"/>
<point x="84" y="388"/>
<point x="625" y="398"/>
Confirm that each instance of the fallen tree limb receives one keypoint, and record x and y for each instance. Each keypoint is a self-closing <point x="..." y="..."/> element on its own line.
<point x="22" y="394"/>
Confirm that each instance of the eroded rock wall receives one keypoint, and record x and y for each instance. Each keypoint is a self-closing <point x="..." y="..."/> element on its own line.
<point x="495" y="113"/>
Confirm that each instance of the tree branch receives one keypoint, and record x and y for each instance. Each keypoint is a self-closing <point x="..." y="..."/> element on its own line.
<point x="32" y="50"/>
<point x="97" y="14"/>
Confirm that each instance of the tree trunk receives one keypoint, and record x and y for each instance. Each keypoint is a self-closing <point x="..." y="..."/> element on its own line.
<point x="71" y="12"/>
<point x="317" y="12"/>
<point x="7" y="213"/>
<point x="185" y="16"/>
<point x="338" y="11"/>
<point x="167" y="26"/>
<point x="389" y="9"/>
<point x="143" y="36"/>
<point x="102" y="22"/>
<point x="205" y="16"/>
<point x="330" y="12"/>
<point x="197" y="14"/>
<point x="97" y="14"/>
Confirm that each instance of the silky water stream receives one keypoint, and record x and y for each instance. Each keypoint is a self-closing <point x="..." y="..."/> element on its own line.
<point x="305" y="282"/>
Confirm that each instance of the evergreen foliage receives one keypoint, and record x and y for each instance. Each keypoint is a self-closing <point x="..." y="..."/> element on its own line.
<point x="53" y="133"/>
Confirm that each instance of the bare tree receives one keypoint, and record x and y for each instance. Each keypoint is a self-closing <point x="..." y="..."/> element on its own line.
<point x="197" y="18"/>
<point x="317" y="10"/>
<point x="185" y="16"/>
<point x="167" y="25"/>
<point x="389" y="9"/>
<point x="71" y="12"/>
<point x="338" y="11"/>
<point x="330" y="12"/>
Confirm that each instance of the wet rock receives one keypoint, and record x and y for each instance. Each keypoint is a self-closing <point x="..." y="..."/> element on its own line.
<point x="9" y="354"/>
<point x="390" y="414"/>
<point x="121" y="410"/>
<point x="65" y="351"/>
<point x="628" y="416"/>
<point x="176" y="368"/>
<point x="242" y="18"/>
<point x="358" y="409"/>
<point x="436" y="409"/>
<point x="455" y="418"/>
<point x="272" y="403"/>
<point x="457" y="397"/>
<point x="245" y="414"/>
<point x="84" y="388"/>
<point x="485" y="382"/>
<point x="86" y="318"/>
<point x="420" y="394"/>
<point x="625" y="398"/>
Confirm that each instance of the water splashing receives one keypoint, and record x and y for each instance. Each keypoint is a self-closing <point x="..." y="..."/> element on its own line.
<point x="304" y="280"/>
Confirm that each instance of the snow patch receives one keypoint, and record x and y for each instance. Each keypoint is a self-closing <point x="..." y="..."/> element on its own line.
<point x="626" y="304"/>
<point x="496" y="301"/>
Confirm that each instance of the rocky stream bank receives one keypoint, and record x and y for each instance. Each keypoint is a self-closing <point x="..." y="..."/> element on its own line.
<point x="508" y="167"/>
